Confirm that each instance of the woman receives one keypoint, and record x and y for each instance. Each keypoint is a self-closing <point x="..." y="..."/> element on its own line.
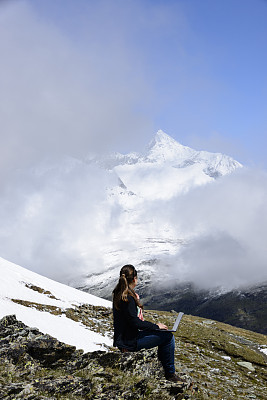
<point x="131" y="332"/>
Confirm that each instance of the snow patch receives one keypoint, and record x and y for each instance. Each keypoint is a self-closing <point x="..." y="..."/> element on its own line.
<point x="13" y="286"/>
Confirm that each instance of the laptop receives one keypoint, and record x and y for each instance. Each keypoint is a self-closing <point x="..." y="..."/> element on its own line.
<point x="176" y="324"/>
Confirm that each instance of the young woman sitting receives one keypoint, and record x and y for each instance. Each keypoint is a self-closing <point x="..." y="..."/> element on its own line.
<point x="132" y="332"/>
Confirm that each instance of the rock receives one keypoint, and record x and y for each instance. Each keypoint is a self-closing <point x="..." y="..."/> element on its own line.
<point x="247" y="365"/>
<point x="226" y="358"/>
<point x="49" y="351"/>
<point x="208" y="322"/>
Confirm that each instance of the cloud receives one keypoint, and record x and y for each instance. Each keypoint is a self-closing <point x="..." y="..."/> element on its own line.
<point x="56" y="217"/>
<point x="224" y="226"/>
<point x="66" y="94"/>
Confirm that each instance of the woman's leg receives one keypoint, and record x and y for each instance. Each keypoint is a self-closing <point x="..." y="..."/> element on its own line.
<point x="166" y="355"/>
<point x="166" y="344"/>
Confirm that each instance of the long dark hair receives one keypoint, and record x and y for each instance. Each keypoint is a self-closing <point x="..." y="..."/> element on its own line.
<point x="122" y="290"/>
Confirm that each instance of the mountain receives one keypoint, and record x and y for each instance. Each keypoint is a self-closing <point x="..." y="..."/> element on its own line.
<point x="41" y="356"/>
<point x="166" y="168"/>
<point x="164" y="149"/>
<point x="243" y="307"/>
<point x="147" y="185"/>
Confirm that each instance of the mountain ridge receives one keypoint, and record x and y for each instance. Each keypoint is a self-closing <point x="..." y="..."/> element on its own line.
<point x="164" y="149"/>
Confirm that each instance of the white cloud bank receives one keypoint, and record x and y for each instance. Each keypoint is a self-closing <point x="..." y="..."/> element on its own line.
<point x="56" y="220"/>
<point x="225" y="226"/>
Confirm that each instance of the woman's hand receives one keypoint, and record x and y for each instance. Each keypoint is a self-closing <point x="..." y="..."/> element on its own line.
<point x="162" y="326"/>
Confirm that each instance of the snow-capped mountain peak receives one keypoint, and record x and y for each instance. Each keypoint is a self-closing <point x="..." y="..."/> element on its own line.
<point x="168" y="168"/>
<point x="164" y="148"/>
<point x="164" y="151"/>
<point x="163" y="139"/>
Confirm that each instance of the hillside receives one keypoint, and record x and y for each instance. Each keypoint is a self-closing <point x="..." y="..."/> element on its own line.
<point x="217" y="360"/>
<point x="45" y="304"/>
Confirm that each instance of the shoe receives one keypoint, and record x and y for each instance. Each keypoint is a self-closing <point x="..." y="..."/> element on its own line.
<point x="175" y="378"/>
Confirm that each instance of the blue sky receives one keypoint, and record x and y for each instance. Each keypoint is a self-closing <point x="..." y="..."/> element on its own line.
<point x="196" y="69"/>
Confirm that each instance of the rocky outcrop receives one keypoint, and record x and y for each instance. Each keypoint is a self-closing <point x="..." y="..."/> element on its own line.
<point x="37" y="366"/>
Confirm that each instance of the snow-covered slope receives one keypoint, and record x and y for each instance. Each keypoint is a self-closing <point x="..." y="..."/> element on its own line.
<point x="25" y="293"/>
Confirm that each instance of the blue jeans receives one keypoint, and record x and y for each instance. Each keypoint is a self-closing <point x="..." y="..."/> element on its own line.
<point x="166" y="344"/>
